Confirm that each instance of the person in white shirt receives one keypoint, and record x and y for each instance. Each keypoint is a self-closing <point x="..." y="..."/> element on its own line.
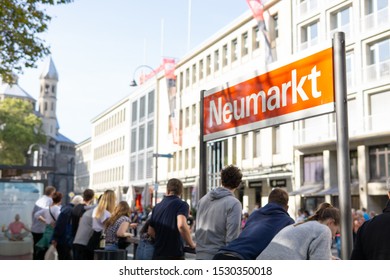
<point x="37" y="227"/>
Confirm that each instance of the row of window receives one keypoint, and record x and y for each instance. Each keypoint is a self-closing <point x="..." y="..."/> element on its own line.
<point x="141" y="166"/>
<point x="110" y="148"/>
<point x="178" y="163"/>
<point x="142" y="106"/>
<point x="342" y="20"/>
<point x="379" y="162"/>
<point x="107" y="176"/>
<point x="109" y="123"/>
<point x="217" y="59"/>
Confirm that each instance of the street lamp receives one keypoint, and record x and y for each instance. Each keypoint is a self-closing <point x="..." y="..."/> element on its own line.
<point x="157" y="155"/>
<point x="38" y="161"/>
<point x="40" y="154"/>
<point x="133" y="82"/>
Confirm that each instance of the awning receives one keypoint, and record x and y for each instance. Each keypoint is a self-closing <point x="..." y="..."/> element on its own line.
<point x="308" y="190"/>
<point x="335" y="190"/>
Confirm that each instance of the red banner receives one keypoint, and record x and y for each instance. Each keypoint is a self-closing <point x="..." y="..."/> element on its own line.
<point x="169" y="66"/>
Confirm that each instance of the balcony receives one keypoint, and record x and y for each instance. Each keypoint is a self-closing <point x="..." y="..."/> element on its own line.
<point x="372" y="124"/>
<point x="375" y="20"/>
<point x="377" y="72"/>
<point x="347" y="29"/>
<point x="307" y="7"/>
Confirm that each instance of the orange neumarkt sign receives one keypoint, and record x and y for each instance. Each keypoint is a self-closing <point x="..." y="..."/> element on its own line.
<point x="295" y="91"/>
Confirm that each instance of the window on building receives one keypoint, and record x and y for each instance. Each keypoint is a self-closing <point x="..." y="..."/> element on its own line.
<point x="181" y="82"/>
<point x="45" y="106"/>
<point x="141" y="137"/>
<point x="149" y="165"/>
<point x="194" y="116"/>
<point x="47" y="87"/>
<point x="180" y="159"/>
<point x="313" y="171"/>
<point x="245" y="146"/>
<point x="133" y="140"/>
<point x="376" y="13"/>
<point x="353" y="118"/>
<point x="134" y="112"/>
<point x="244" y="44"/>
<point x="234" y="150"/>
<point x="187" y="116"/>
<point x="150" y="134"/>
<point x="225" y="56"/>
<point x="257" y="144"/>
<point x="276" y="140"/>
<point x="309" y="35"/>
<point x="150" y="102"/>
<point x="216" y="60"/>
<point x="201" y="69"/>
<point x="186" y="158"/>
<point x="255" y="37"/>
<point x="187" y="77"/>
<point x="142" y="106"/>
<point x="141" y="167"/>
<point x="378" y="60"/>
<point x="194" y="74"/>
<point x="53" y="89"/>
<point x="341" y="20"/>
<point x="234" y="50"/>
<point x="193" y="157"/>
<point x="174" y="160"/>
<point x="379" y="110"/>
<point x="353" y="155"/>
<point x="349" y="65"/>
<point x="181" y="119"/>
<point x="208" y="65"/>
<point x="133" y="165"/>
<point x="379" y="162"/>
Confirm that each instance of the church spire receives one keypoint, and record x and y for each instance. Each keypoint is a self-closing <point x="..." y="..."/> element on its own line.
<point x="48" y="99"/>
<point x="49" y="71"/>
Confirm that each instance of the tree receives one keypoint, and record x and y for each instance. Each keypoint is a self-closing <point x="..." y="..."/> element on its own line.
<point x="19" y="128"/>
<point x="21" y="22"/>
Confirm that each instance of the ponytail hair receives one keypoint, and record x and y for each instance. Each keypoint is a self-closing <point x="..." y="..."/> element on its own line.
<point x="326" y="211"/>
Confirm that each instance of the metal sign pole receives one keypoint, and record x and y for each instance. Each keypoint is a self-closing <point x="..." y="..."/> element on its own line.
<point x="202" y="189"/>
<point x="343" y="164"/>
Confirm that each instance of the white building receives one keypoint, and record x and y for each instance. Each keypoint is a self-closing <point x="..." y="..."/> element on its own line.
<point x="299" y="156"/>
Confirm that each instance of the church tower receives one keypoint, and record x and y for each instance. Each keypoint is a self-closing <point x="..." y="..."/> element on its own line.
<point x="48" y="99"/>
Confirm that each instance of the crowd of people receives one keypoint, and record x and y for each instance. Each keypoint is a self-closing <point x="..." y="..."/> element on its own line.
<point x="221" y="229"/>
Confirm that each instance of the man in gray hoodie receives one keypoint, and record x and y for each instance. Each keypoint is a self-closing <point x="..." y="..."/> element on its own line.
<point x="218" y="217"/>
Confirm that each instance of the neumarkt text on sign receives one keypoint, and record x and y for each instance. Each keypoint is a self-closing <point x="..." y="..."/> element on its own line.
<point x="301" y="89"/>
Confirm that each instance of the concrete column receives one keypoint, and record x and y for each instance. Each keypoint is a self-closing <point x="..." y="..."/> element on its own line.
<point x="364" y="175"/>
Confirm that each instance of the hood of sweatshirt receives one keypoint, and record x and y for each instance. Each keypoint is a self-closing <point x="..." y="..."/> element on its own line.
<point x="219" y="193"/>
<point x="271" y="208"/>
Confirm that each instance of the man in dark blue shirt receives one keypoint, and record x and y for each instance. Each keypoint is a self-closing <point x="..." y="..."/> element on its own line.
<point x="262" y="225"/>
<point x="168" y="224"/>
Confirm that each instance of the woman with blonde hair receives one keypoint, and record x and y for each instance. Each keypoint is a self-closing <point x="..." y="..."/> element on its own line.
<point x="103" y="210"/>
<point x="100" y="214"/>
<point x="117" y="225"/>
<point x="308" y="240"/>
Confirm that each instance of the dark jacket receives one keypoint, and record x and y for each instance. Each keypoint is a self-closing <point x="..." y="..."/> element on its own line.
<point x="373" y="238"/>
<point x="262" y="225"/>
<point x="63" y="229"/>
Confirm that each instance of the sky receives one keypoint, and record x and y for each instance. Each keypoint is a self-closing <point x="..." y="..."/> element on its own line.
<point x="96" y="46"/>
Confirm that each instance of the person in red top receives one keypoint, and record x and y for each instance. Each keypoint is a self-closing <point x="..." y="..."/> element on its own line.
<point x="14" y="230"/>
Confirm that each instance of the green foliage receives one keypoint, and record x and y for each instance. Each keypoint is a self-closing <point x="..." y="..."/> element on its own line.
<point x="21" y="22"/>
<point x="19" y="128"/>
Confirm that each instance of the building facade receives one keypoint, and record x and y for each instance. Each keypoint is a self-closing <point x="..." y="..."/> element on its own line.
<point x="299" y="156"/>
